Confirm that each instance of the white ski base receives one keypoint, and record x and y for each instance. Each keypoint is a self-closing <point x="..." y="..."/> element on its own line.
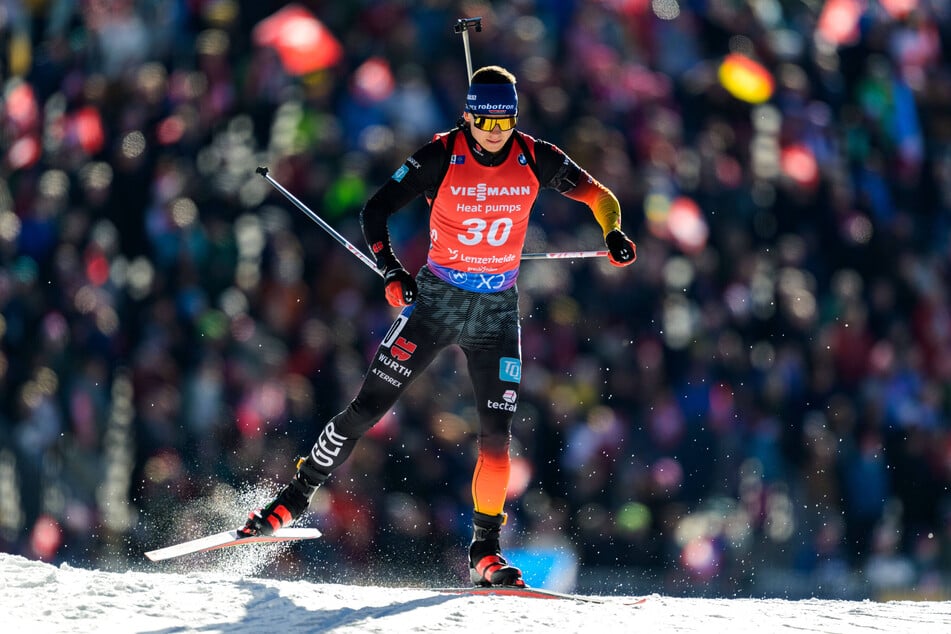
<point x="225" y="539"/>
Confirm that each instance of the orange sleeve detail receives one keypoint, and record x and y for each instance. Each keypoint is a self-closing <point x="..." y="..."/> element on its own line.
<point x="601" y="200"/>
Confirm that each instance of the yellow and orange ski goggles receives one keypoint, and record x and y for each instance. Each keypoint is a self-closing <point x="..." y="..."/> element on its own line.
<point x="487" y="124"/>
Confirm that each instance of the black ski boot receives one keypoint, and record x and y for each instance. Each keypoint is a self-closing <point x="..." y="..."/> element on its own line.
<point x="289" y="504"/>
<point x="487" y="567"/>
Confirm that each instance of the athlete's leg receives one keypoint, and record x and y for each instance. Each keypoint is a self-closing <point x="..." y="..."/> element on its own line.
<point x="495" y="376"/>
<point x="408" y="348"/>
<point x="405" y="351"/>
<point x="436" y="320"/>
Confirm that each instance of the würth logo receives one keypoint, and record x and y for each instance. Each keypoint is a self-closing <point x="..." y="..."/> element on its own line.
<point x="402" y="349"/>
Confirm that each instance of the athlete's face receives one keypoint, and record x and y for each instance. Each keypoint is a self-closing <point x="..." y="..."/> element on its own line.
<point x="492" y="140"/>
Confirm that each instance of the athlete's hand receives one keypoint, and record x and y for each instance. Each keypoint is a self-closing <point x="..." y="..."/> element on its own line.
<point x="621" y="250"/>
<point x="400" y="287"/>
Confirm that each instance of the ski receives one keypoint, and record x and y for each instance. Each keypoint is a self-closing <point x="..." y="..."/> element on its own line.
<point x="528" y="592"/>
<point x="225" y="539"/>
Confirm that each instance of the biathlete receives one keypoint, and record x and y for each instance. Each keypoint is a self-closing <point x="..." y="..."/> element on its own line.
<point x="481" y="180"/>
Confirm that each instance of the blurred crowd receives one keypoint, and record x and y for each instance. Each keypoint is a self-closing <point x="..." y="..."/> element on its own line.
<point x="762" y="402"/>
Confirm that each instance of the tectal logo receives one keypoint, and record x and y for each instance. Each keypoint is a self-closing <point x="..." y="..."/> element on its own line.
<point x="509" y="397"/>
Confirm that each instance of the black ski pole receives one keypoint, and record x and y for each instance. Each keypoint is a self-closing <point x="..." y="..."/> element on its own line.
<point x="263" y="171"/>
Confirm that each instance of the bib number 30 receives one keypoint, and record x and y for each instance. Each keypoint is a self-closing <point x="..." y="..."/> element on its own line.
<point x="497" y="234"/>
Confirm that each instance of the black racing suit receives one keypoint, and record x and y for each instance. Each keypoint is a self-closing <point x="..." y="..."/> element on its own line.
<point x="484" y="325"/>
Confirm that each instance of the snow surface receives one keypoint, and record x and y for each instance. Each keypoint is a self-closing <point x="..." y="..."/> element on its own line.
<point x="40" y="597"/>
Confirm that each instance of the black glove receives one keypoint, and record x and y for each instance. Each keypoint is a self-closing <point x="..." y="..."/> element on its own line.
<point x="621" y="250"/>
<point x="400" y="287"/>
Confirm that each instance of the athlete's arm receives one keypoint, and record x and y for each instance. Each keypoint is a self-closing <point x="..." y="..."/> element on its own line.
<point x="557" y="171"/>
<point x="418" y="175"/>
